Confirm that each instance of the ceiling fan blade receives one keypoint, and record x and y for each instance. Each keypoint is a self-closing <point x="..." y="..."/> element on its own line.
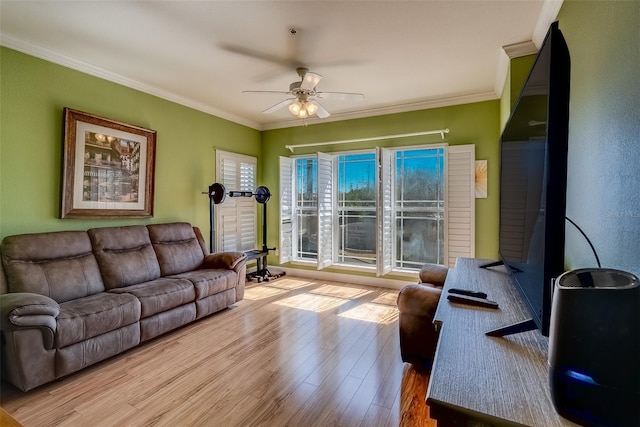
<point x="321" y="113"/>
<point x="287" y="62"/>
<point x="310" y="81"/>
<point x="279" y="105"/>
<point x="341" y="96"/>
<point x="279" y="92"/>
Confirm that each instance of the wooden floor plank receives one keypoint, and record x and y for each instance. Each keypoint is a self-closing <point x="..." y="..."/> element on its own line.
<point x="293" y="352"/>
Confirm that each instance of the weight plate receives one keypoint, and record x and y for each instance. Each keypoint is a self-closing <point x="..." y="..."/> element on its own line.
<point x="262" y="194"/>
<point x="217" y="193"/>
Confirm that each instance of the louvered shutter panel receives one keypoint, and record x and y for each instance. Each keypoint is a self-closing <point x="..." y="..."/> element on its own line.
<point x="227" y="221"/>
<point x="325" y="210"/>
<point x="384" y="259"/>
<point x="246" y="208"/>
<point x="286" y="209"/>
<point x="236" y="217"/>
<point x="460" y="203"/>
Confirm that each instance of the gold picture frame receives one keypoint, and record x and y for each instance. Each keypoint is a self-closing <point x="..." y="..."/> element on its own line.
<point x="108" y="168"/>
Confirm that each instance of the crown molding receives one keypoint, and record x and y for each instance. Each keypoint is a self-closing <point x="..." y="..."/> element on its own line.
<point x="517" y="50"/>
<point x="60" y="59"/>
<point x="549" y="13"/>
<point x="65" y="61"/>
<point x="386" y="110"/>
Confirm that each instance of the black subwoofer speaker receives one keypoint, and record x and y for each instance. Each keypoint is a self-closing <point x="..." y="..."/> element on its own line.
<point x="594" y="347"/>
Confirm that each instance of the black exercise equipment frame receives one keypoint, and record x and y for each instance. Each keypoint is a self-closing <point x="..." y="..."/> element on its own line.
<point x="217" y="193"/>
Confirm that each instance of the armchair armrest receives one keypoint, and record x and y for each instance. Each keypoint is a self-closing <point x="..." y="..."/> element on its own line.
<point x="26" y="310"/>
<point x="228" y="260"/>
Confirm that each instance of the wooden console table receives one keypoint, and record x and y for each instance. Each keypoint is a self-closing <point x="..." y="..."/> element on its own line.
<point x="481" y="380"/>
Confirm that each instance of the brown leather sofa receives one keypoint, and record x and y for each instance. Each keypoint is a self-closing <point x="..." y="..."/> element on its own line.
<point x="78" y="297"/>
<point x="417" y="305"/>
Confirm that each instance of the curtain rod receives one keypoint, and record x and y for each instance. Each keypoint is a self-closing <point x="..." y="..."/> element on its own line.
<point x="375" y="138"/>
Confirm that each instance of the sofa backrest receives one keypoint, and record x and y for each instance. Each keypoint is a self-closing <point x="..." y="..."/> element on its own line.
<point x="125" y="255"/>
<point x="60" y="265"/>
<point x="176" y="246"/>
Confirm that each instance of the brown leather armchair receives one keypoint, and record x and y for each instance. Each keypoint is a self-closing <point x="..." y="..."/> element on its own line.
<point x="417" y="305"/>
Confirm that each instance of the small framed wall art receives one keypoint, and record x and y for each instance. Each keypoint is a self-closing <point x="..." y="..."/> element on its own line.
<point x="108" y="168"/>
<point x="481" y="179"/>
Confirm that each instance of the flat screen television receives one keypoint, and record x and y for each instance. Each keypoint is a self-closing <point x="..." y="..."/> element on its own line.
<point x="533" y="178"/>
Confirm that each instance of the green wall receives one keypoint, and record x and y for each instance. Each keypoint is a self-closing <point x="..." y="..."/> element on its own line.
<point x="33" y="95"/>
<point x="476" y="123"/>
<point x="603" y="185"/>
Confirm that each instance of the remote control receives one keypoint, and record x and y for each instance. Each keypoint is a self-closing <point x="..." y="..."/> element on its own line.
<point x="468" y="293"/>
<point x="480" y="302"/>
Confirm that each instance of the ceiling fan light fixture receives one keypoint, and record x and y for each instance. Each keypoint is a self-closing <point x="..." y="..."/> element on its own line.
<point x="311" y="108"/>
<point x="295" y="108"/>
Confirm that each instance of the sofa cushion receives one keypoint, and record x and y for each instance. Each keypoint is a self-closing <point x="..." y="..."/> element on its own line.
<point x="210" y="282"/>
<point x="125" y="255"/>
<point x="59" y="265"/>
<point x="176" y="246"/>
<point x="88" y="317"/>
<point x="160" y="295"/>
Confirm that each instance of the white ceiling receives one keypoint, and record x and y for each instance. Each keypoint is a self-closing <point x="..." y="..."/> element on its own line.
<point x="403" y="55"/>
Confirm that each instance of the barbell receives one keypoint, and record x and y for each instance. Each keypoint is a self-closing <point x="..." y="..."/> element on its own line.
<point x="218" y="193"/>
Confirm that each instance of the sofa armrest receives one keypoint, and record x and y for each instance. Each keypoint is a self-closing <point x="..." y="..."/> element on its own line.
<point x="417" y="305"/>
<point x="27" y="311"/>
<point x="228" y="260"/>
<point x="433" y="274"/>
<point x="419" y="300"/>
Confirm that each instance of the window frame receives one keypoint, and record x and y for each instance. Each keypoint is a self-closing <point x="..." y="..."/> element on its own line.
<point x="459" y="197"/>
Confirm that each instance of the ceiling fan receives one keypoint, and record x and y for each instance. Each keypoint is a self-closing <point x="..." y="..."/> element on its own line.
<point x="303" y="102"/>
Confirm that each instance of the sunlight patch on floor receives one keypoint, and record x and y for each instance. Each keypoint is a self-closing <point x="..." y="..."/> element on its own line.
<point x="259" y="292"/>
<point x="387" y="298"/>
<point x="381" y="310"/>
<point x="290" y="284"/>
<point x="310" y="302"/>
<point x="340" y="291"/>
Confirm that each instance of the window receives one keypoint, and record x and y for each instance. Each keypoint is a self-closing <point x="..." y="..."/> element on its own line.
<point x="419" y="207"/>
<point x="385" y="209"/>
<point x="306" y="209"/>
<point x="356" y="209"/>
<point x="236" y="217"/>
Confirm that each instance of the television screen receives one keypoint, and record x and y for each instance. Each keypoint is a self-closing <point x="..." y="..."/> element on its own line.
<point x="533" y="159"/>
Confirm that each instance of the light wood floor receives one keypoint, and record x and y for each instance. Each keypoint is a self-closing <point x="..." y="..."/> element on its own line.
<point x="294" y="352"/>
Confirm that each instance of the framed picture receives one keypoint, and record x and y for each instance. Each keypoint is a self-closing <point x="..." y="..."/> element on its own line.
<point x="108" y="168"/>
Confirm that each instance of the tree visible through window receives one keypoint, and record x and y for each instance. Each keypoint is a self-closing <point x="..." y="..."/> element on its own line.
<point x="357" y="209"/>
<point x="306" y="209"/>
<point x="419" y="207"/>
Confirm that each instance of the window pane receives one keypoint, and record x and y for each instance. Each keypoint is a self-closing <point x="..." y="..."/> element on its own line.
<point x="420" y="240"/>
<point x="306" y="209"/>
<point x="419" y="207"/>
<point x="357" y="209"/>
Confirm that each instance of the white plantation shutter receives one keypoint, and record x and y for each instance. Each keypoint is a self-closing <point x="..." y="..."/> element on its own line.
<point x="384" y="259"/>
<point x="247" y="208"/>
<point x="287" y="223"/>
<point x="460" y="203"/>
<point x="236" y="217"/>
<point x="325" y="210"/>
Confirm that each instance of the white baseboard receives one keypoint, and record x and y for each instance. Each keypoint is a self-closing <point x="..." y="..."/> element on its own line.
<point x="379" y="282"/>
